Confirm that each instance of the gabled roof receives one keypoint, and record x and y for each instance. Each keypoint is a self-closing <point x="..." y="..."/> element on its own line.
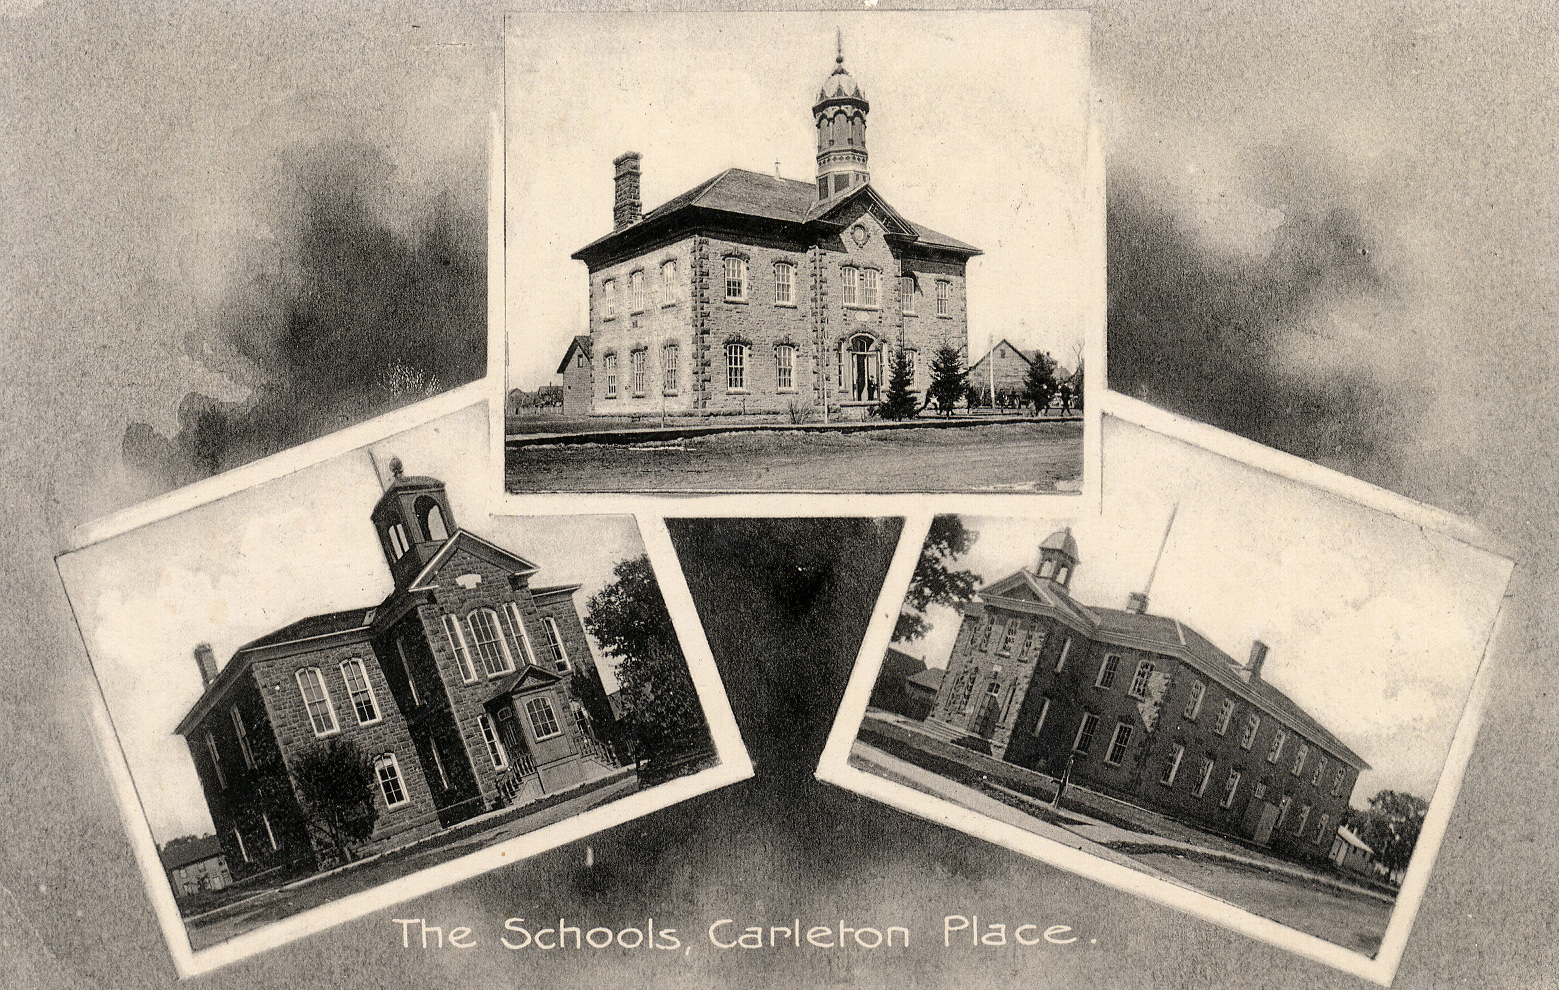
<point x="466" y="540"/>
<point x="579" y="343"/>
<point x="554" y="591"/>
<point x="754" y="194"/>
<point x="183" y="852"/>
<point x="313" y="627"/>
<point x="524" y="677"/>
<point x="1162" y="634"/>
<point x="930" y="678"/>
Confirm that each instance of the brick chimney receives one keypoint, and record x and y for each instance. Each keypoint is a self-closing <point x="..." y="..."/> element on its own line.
<point x="207" y="662"/>
<point x="1258" y="656"/>
<point x="626" y="206"/>
<point x="1137" y="602"/>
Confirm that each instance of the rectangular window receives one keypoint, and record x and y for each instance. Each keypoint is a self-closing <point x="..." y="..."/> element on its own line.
<point x="609" y="374"/>
<point x="494" y="747"/>
<point x="1139" y="680"/>
<point x="1107" y="670"/>
<point x="1225" y="715"/>
<point x="852" y="286"/>
<point x="359" y="690"/>
<point x="543" y="720"/>
<point x="907" y="295"/>
<point x="944" y="294"/>
<point x="389" y="773"/>
<point x="1301" y="759"/>
<point x="1320" y="771"/>
<point x="641" y="380"/>
<point x="457" y="646"/>
<point x="1231" y="787"/>
<point x="1009" y="637"/>
<point x="1193" y="707"/>
<point x="1304" y="818"/>
<point x="636" y="292"/>
<point x="1172" y="770"/>
<point x="1260" y="790"/>
<point x="784" y="284"/>
<point x="784" y="367"/>
<point x="487" y="642"/>
<point x="1206" y="776"/>
<point x="911" y="357"/>
<point x="270" y="833"/>
<point x="216" y="759"/>
<point x="1044" y="709"/>
<point x="242" y="732"/>
<point x="1320" y="829"/>
<point x="1084" y="741"/>
<point x="985" y="632"/>
<point x="555" y="645"/>
<point x="735" y="367"/>
<point x="1066" y="648"/>
<point x="609" y="299"/>
<point x="1283" y="806"/>
<point x="521" y="637"/>
<point x="1252" y="724"/>
<point x="317" y="699"/>
<point x="668" y="369"/>
<point x="438" y="764"/>
<point x="1276" y="752"/>
<point x="1118" y="743"/>
<point x="243" y="851"/>
<point x="735" y="280"/>
<point x="1337" y="782"/>
<point x="869" y="287"/>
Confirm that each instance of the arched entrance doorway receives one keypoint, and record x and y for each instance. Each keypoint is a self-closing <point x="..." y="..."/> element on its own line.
<point x="865" y="364"/>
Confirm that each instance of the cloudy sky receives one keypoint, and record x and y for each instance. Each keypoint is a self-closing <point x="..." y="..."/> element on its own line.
<point x="977" y="129"/>
<point x="1376" y="626"/>
<point x="231" y="571"/>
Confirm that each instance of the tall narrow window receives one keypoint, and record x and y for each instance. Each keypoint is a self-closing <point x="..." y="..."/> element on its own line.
<point x="438" y="764"/>
<point x="609" y="299"/>
<point x="1320" y="771"/>
<point x="1279" y="737"/>
<point x="1284" y="804"/>
<point x="784" y="284"/>
<point x="388" y="770"/>
<point x="964" y="692"/>
<point x="1320" y="829"/>
<point x="433" y="524"/>
<point x="1231" y="787"/>
<point x="869" y="287"/>
<point x="609" y="374"/>
<point x="1252" y="724"/>
<point x="735" y="367"/>
<point x="494" y="747"/>
<point x="636" y="292"/>
<point x="986" y="628"/>
<point x="735" y="280"/>
<point x="1172" y="769"/>
<point x="1065" y="649"/>
<point x="912" y="358"/>
<point x="668" y="369"/>
<point x="668" y="282"/>
<point x="1304" y="817"/>
<point x="1337" y="782"/>
<point x="1009" y="637"/>
<point x="555" y="649"/>
<point x="1118" y="743"/>
<point x="457" y="646"/>
<point x="944" y="296"/>
<point x="316" y="697"/>
<point x="1193" y="707"/>
<point x="521" y="637"/>
<point x="784" y="367"/>
<point x="406" y="669"/>
<point x="360" y="691"/>
<point x="216" y="759"/>
<point x="1084" y="741"/>
<point x="1044" y="709"/>
<point x="641" y="381"/>
<point x="543" y="720"/>
<point x="487" y="642"/>
<point x="1107" y="670"/>
<point x="1204" y="778"/>
<point x="242" y="731"/>
<point x="907" y="295"/>
<point x="1225" y="715"/>
<point x="1301" y="759"/>
<point x="270" y="833"/>
<point x="1139" y="680"/>
<point x="398" y="541"/>
<point x="243" y="851"/>
<point x="851" y="294"/>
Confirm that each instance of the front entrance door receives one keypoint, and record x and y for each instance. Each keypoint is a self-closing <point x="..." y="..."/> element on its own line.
<point x="864" y="364"/>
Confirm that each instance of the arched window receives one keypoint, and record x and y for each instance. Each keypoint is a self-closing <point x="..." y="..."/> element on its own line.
<point x="432" y="519"/>
<point x="543" y="720"/>
<point x="487" y="642"/>
<point x="609" y="374"/>
<point x="636" y="292"/>
<point x="609" y="299"/>
<point x="316" y="698"/>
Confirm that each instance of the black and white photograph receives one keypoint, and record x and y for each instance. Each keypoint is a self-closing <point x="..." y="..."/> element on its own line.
<point x="800" y="252"/>
<point x="352" y="681"/>
<point x="1228" y="682"/>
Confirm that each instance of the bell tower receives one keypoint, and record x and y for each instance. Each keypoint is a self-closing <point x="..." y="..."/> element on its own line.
<point x="840" y="116"/>
<point x="1058" y="557"/>
<point x="413" y="521"/>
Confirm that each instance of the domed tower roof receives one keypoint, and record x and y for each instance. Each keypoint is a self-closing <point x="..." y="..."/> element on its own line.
<point x="840" y="85"/>
<point x="1058" y="557"/>
<point x="1061" y="540"/>
<point x="840" y="118"/>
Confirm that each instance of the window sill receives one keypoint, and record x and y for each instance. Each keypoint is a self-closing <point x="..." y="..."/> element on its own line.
<point x="735" y="302"/>
<point x="668" y="305"/>
<point x="869" y="309"/>
<point x="738" y="391"/>
<point x="780" y="305"/>
<point x="668" y="395"/>
<point x="785" y="391"/>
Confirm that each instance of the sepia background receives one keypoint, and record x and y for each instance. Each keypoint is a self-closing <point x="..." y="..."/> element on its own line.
<point x="1330" y="230"/>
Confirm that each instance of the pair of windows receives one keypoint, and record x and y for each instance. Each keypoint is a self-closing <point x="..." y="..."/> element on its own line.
<point x="270" y="834"/>
<point x="1139" y="679"/>
<point x="860" y="286"/>
<point x="321" y="707"/>
<point x="1252" y="724"/>
<point x="1120" y="739"/>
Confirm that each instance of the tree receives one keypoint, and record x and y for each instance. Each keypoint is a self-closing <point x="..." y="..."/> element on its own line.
<point x="336" y="782"/>
<point x="629" y="619"/>
<point x="947" y="379"/>
<point x="1039" y="384"/>
<point x="934" y="580"/>
<point x="897" y="402"/>
<point x="1390" y="827"/>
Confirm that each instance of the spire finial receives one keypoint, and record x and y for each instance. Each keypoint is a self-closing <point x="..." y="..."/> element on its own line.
<point x="840" y="35"/>
<point x="396" y="468"/>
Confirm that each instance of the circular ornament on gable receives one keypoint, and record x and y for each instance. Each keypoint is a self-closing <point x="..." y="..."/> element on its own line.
<point x="860" y="234"/>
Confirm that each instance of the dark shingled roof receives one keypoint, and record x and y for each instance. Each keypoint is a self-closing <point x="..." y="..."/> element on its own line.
<point x="182" y="852"/>
<point x="581" y="343"/>
<point x="930" y="678"/>
<point x="314" y="625"/>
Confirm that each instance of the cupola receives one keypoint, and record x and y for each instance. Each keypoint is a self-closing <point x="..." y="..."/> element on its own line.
<point x="1058" y="557"/>
<point x="840" y="116"/>
<point x="413" y="521"/>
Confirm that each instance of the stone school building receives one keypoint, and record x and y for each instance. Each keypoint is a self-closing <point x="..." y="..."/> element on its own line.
<point x="469" y="687"/>
<point x="752" y="293"/>
<point x="1142" y="708"/>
